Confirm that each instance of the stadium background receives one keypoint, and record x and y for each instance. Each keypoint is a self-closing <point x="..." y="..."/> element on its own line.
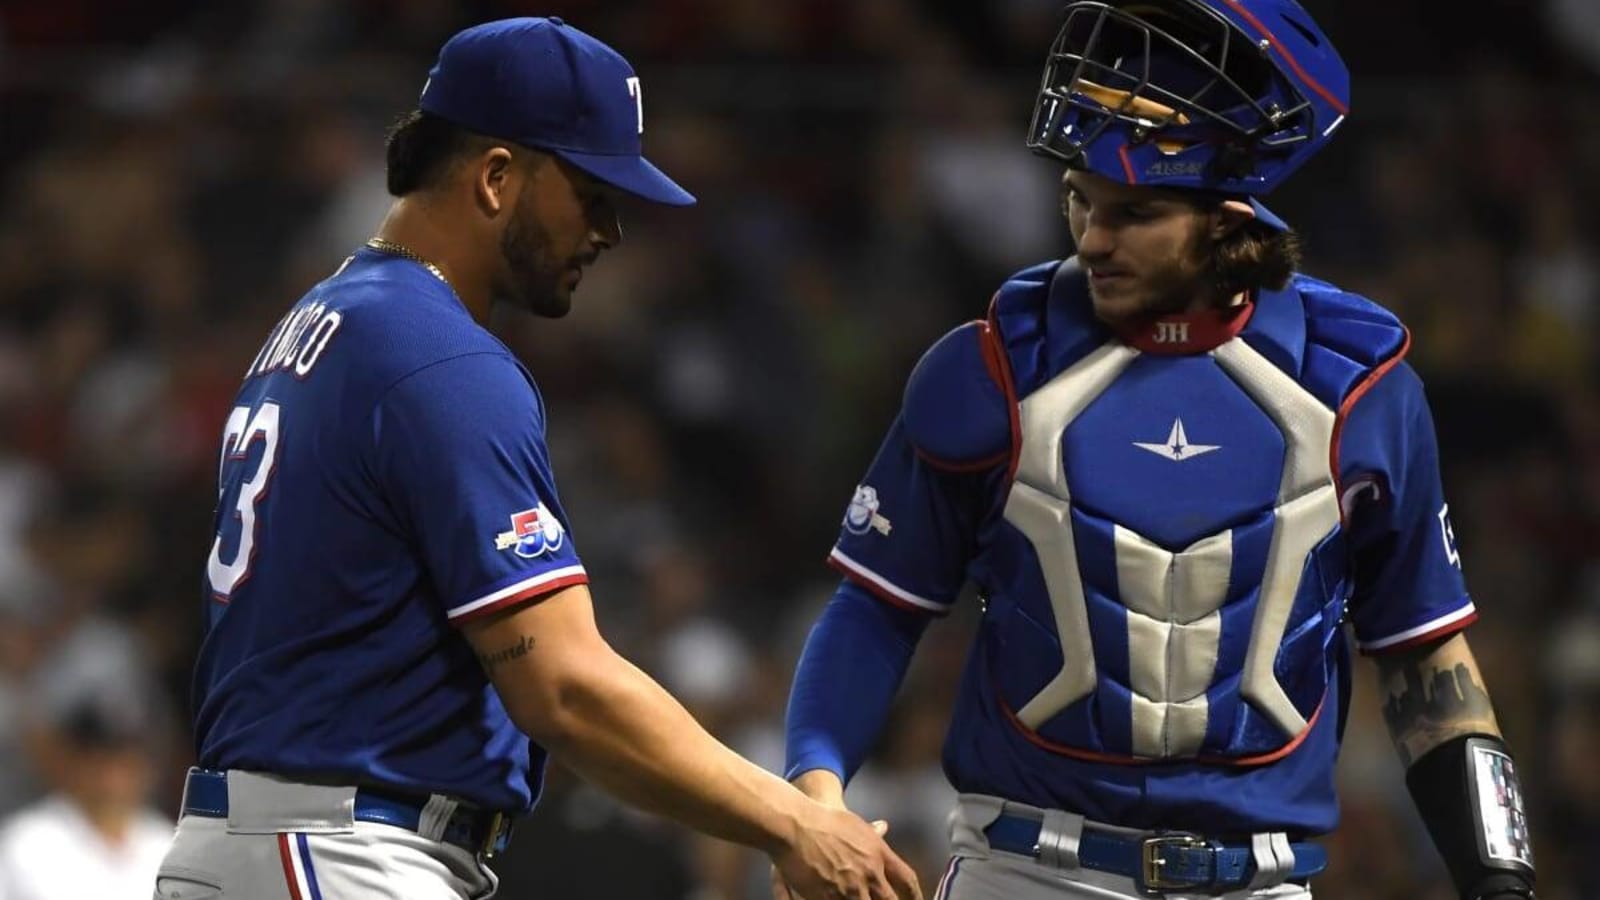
<point x="175" y="172"/>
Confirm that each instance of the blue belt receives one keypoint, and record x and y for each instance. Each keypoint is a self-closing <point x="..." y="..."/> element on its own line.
<point x="1157" y="863"/>
<point x="473" y="830"/>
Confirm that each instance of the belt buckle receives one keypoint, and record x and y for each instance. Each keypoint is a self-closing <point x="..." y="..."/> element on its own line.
<point x="491" y="836"/>
<point x="1153" y="882"/>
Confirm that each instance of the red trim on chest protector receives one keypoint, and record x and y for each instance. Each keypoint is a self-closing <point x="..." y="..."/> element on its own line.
<point x="1000" y="370"/>
<point x="1118" y="759"/>
<point x="1188" y="332"/>
<point x="1350" y="400"/>
<point x="994" y="364"/>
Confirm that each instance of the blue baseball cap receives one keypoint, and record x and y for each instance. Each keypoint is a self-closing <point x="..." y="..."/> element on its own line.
<point x="542" y="83"/>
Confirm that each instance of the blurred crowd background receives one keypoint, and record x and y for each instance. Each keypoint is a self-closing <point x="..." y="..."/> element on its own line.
<point x="175" y="173"/>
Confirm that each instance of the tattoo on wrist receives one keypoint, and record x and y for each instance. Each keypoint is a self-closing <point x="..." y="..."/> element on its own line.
<point x="506" y="654"/>
<point x="1424" y="712"/>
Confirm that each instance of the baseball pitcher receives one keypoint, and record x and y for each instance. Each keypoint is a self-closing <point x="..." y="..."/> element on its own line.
<point x="394" y="600"/>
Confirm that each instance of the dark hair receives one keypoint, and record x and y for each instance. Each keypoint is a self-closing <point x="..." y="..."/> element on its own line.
<point x="420" y="149"/>
<point x="1254" y="257"/>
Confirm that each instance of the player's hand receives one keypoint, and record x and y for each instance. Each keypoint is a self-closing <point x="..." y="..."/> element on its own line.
<point x="780" y="890"/>
<point x="834" y="855"/>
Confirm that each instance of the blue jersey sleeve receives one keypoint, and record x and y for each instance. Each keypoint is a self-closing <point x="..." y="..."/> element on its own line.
<point x="911" y="527"/>
<point x="912" y="524"/>
<point x="460" y="453"/>
<point x="1408" y="586"/>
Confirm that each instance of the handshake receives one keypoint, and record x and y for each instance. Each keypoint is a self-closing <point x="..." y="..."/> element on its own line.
<point x="834" y="855"/>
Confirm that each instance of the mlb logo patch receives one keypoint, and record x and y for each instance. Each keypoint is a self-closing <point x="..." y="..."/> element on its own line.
<point x="534" y="532"/>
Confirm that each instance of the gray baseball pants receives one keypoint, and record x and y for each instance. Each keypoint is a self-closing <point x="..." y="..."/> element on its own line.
<point x="285" y="841"/>
<point x="977" y="872"/>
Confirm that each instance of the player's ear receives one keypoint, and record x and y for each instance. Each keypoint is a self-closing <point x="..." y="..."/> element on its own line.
<point x="494" y="174"/>
<point x="1230" y="216"/>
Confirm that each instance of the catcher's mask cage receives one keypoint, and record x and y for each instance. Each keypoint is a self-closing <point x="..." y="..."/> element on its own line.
<point x="1222" y="95"/>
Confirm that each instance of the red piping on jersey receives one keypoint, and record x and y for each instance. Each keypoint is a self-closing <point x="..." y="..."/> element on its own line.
<point x="1008" y="386"/>
<point x="1122" y="760"/>
<point x="877" y="590"/>
<point x="1349" y="404"/>
<point x="1427" y="637"/>
<point x="288" y="866"/>
<point x="536" y="592"/>
<point x="1294" y="64"/>
<point x="1127" y="164"/>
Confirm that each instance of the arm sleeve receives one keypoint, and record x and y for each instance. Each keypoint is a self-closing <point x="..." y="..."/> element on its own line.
<point x="459" y="449"/>
<point x="852" y="665"/>
<point x="1408" y="586"/>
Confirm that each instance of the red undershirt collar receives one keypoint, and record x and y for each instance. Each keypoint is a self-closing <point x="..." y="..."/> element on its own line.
<point x="1186" y="333"/>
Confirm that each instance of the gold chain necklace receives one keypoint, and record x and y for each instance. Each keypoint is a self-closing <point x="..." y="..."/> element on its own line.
<point x="390" y="247"/>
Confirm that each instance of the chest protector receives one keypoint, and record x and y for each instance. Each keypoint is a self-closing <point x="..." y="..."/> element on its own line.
<point x="1166" y="572"/>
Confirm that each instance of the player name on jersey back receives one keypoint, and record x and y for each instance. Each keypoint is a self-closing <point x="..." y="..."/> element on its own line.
<point x="297" y="341"/>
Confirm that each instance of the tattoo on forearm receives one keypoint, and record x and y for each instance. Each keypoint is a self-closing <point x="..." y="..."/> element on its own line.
<point x="506" y="654"/>
<point x="1424" y="713"/>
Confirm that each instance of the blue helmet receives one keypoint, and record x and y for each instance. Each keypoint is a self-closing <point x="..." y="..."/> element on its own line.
<point x="1230" y="96"/>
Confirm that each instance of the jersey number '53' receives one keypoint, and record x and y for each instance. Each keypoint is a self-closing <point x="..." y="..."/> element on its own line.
<point x="243" y="430"/>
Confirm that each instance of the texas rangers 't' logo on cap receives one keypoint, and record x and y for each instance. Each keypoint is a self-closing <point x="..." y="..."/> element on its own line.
<point x="533" y="532"/>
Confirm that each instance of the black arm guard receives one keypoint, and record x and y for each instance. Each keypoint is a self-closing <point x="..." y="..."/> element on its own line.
<point x="1468" y="794"/>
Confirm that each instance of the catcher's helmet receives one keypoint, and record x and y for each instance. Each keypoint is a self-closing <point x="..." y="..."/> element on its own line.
<point x="1222" y="95"/>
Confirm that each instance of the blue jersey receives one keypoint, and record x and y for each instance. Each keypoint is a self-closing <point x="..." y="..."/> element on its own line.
<point x="1168" y="528"/>
<point x="383" y="479"/>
